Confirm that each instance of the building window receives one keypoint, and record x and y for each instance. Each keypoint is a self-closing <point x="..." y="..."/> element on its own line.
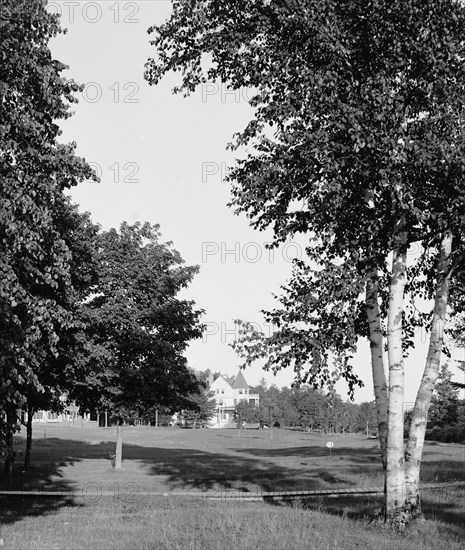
<point x="241" y="392"/>
<point x="222" y="391"/>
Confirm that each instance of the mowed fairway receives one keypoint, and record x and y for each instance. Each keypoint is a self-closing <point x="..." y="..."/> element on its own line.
<point x="113" y="510"/>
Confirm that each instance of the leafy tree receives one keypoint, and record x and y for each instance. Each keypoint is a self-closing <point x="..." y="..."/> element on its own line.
<point x="460" y="385"/>
<point x="137" y="329"/>
<point x="457" y="330"/>
<point x="204" y="375"/>
<point x="308" y="404"/>
<point x="266" y="415"/>
<point x="157" y="416"/>
<point x="287" y="406"/>
<point x="55" y="372"/>
<point x="335" y="414"/>
<point x="246" y="412"/>
<point x="356" y="141"/>
<point x="349" y="417"/>
<point x="444" y="403"/>
<point x="259" y="389"/>
<point x="270" y="406"/>
<point x="446" y="417"/>
<point x="366" y="419"/>
<point x="202" y="409"/>
<point x="35" y="169"/>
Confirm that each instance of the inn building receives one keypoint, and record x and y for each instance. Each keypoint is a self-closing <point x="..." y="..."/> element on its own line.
<point x="227" y="396"/>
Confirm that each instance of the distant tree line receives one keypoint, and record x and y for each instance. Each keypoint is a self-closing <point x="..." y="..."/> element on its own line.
<point x="313" y="410"/>
<point x="307" y="408"/>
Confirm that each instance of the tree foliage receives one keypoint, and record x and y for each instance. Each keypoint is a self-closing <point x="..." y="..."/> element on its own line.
<point x="352" y="131"/>
<point x="246" y="413"/>
<point x="35" y="258"/>
<point x="445" y="401"/>
<point x="202" y="408"/>
<point x="356" y="141"/>
<point x="136" y="327"/>
<point x="309" y="409"/>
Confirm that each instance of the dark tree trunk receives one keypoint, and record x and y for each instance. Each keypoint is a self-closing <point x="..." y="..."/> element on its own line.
<point x="9" y="442"/>
<point x="27" y="456"/>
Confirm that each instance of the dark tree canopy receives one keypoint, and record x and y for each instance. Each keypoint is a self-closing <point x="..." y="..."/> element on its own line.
<point x="356" y="141"/>
<point x="445" y="402"/>
<point x="132" y="355"/>
<point x="35" y="255"/>
<point x="200" y="409"/>
<point x="346" y="92"/>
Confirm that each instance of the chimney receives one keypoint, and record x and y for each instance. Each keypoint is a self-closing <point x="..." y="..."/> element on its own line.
<point x="210" y="379"/>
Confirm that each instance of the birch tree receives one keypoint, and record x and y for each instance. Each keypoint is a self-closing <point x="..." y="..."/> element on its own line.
<point x="356" y="141"/>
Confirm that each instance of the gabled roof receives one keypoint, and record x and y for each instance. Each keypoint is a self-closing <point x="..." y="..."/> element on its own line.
<point x="220" y="378"/>
<point x="239" y="382"/>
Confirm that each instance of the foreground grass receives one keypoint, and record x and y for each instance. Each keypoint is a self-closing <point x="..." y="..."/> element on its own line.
<point x="164" y="460"/>
<point x="175" y="524"/>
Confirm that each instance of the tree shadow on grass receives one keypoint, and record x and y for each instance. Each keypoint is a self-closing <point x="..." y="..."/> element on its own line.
<point x="179" y="469"/>
<point x="448" y="506"/>
<point x="48" y="457"/>
<point x="42" y="475"/>
<point x="193" y="469"/>
<point x="16" y="507"/>
<point x="445" y="505"/>
<point x="364" y="507"/>
<point x="196" y="469"/>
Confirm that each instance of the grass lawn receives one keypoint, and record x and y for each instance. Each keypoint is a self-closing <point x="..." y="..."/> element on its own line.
<point x="109" y="509"/>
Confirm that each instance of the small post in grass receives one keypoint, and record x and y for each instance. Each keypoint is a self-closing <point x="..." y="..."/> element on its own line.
<point x="330" y="445"/>
<point x="119" y="446"/>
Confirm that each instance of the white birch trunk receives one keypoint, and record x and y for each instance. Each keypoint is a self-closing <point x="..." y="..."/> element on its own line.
<point x="395" y="473"/>
<point x="377" y="363"/>
<point x="423" y="400"/>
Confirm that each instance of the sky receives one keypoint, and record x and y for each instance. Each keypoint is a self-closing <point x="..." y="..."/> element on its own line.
<point x="162" y="158"/>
